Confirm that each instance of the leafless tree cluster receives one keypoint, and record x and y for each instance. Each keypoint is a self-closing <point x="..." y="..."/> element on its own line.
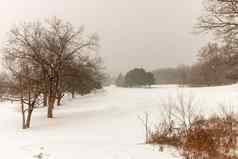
<point x="220" y="18"/>
<point x="44" y="60"/>
<point x="213" y="66"/>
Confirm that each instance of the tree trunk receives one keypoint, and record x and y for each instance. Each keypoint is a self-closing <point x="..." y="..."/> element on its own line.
<point x="73" y="94"/>
<point x="59" y="101"/>
<point x="50" y="111"/>
<point x="51" y="99"/>
<point x="59" y="98"/>
<point x="23" y="115"/>
<point x="51" y="103"/>
<point x="28" y="120"/>
<point x="23" y="121"/>
<point x="45" y="99"/>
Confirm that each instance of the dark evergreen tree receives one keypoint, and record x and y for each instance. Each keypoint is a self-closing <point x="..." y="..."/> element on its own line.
<point x="139" y="77"/>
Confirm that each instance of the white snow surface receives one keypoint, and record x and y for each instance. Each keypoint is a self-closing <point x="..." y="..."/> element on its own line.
<point x="102" y="125"/>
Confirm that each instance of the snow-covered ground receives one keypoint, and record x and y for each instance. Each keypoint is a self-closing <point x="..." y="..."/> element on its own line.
<point x="102" y="125"/>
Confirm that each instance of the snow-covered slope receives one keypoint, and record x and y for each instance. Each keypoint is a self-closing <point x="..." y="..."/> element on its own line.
<point x="102" y="125"/>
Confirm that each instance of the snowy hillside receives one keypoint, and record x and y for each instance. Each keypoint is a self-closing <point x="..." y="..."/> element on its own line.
<point x="104" y="125"/>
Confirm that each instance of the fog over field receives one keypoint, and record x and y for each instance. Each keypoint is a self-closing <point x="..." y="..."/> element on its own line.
<point x="132" y="33"/>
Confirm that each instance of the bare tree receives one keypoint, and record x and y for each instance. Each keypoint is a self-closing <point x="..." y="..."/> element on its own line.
<point x="179" y="111"/>
<point x="50" y="46"/>
<point x="23" y="85"/>
<point x="220" y="19"/>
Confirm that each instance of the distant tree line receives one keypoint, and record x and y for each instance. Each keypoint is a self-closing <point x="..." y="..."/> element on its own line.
<point x="45" y="60"/>
<point x="135" y="78"/>
<point x="213" y="67"/>
<point x="216" y="65"/>
<point x="167" y="76"/>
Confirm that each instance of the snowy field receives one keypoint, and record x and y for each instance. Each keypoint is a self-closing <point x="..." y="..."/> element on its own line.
<point x="102" y="125"/>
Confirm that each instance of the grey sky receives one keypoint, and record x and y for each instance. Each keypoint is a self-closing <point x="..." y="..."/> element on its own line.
<point x="133" y="33"/>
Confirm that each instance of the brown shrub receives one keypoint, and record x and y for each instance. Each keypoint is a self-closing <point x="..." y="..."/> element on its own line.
<point x="200" y="138"/>
<point x="213" y="137"/>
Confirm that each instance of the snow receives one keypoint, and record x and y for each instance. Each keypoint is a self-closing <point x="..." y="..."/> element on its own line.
<point x="103" y="125"/>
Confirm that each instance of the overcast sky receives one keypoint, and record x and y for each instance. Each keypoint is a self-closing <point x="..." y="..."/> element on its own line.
<point x="133" y="33"/>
